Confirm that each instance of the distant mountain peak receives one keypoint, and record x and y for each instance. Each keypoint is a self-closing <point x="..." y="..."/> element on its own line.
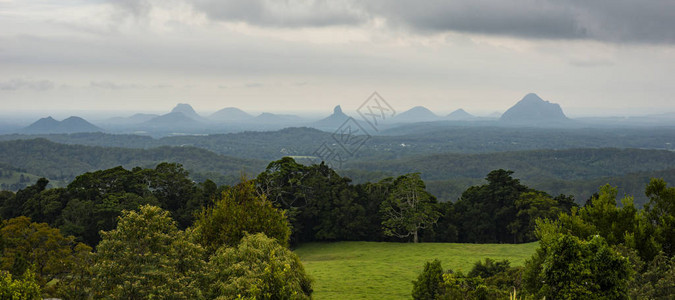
<point x="333" y="121"/>
<point x="73" y="118"/>
<point x="230" y="114"/>
<point x="72" y="124"/>
<point x="187" y="110"/>
<point x="533" y="98"/>
<point x="183" y="107"/>
<point x="533" y="109"/>
<point x="460" y="114"/>
<point x="416" y="114"/>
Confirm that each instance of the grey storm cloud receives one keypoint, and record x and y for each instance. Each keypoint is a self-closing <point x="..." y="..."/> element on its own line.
<point x="646" y="21"/>
<point x="27" y="84"/>
<point x="617" y="21"/>
<point x="288" y="13"/>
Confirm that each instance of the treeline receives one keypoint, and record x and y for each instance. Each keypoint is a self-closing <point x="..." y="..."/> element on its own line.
<point x="598" y="251"/>
<point x="321" y="204"/>
<point x="324" y="206"/>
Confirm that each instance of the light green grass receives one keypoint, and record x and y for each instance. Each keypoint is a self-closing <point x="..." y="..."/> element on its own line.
<point x="369" y="270"/>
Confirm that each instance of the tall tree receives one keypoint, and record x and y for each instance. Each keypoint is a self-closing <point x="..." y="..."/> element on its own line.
<point x="408" y="208"/>
<point x="485" y="212"/>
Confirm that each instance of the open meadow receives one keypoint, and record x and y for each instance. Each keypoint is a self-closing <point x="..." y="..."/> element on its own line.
<point x="372" y="270"/>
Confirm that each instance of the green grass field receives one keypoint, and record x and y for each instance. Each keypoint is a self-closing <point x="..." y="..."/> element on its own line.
<point x="369" y="270"/>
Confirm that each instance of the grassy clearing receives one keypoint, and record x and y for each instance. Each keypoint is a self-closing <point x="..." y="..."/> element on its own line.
<point x="369" y="270"/>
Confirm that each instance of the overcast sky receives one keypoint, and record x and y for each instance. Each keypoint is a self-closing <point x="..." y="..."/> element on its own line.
<point x="592" y="57"/>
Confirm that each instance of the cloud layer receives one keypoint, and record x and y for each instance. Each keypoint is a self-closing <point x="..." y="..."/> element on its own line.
<point x="26" y="84"/>
<point x="616" y="21"/>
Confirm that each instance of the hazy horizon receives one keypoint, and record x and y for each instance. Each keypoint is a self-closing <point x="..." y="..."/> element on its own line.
<point x="604" y="58"/>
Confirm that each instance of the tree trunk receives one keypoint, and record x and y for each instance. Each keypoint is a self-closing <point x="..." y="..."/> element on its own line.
<point x="415" y="237"/>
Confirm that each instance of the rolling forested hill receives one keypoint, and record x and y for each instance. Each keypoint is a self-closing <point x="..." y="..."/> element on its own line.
<point x="63" y="162"/>
<point x="412" y="140"/>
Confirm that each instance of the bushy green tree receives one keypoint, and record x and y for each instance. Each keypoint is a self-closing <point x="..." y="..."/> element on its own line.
<point x="147" y="257"/>
<point x="566" y="267"/>
<point x="429" y="284"/>
<point x="240" y="210"/>
<point x="625" y="225"/>
<point x="257" y="268"/>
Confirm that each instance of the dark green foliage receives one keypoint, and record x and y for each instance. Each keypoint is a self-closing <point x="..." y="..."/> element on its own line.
<point x="489" y="268"/>
<point x="484" y="212"/>
<point x="13" y="207"/>
<point x="429" y="284"/>
<point x="240" y="211"/>
<point x="445" y="230"/>
<point x="532" y="206"/>
<point x="503" y="210"/>
<point x="321" y="205"/>
<point x="458" y="286"/>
